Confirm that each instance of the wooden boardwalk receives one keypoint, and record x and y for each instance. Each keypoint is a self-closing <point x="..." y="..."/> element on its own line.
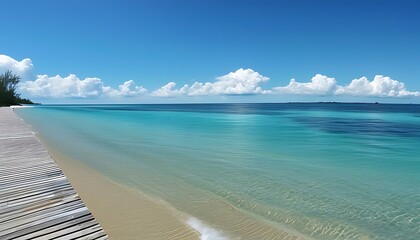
<point x="36" y="199"/>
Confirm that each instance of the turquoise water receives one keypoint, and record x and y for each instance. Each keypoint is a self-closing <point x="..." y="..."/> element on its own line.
<point x="322" y="171"/>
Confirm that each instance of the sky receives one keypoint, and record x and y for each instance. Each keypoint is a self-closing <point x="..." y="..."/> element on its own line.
<point x="171" y="51"/>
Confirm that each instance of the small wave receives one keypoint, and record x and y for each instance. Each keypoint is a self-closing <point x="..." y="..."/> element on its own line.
<point x="206" y="232"/>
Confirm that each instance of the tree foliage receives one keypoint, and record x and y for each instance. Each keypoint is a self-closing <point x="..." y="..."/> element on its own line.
<point x="8" y="94"/>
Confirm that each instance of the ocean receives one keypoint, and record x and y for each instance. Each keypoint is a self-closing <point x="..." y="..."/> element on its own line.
<point x="256" y="171"/>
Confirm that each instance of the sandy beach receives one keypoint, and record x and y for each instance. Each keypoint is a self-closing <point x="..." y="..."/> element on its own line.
<point x="123" y="213"/>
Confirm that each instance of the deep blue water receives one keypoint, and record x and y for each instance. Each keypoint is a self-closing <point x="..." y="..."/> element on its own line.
<point x="325" y="171"/>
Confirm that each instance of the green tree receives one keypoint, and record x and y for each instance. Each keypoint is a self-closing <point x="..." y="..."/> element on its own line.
<point x="8" y="94"/>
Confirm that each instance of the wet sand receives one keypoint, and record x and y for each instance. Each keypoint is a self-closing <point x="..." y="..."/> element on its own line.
<point x="123" y="213"/>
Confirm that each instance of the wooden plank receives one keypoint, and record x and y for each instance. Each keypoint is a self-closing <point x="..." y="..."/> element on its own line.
<point x="36" y="208"/>
<point x="34" y="205"/>
<point x="81" y="233"/>
<point x="47" y="227"/>
<point x="45" y="196"/>
<point x="49" y="192"/>
<point x="50" y="221"/>
<point x="68" y="230"/>
<point x="36" y="187"/>
<point x="36" y="199"/>
<point x="21" y="223"/>
<point x="36" y="182"/>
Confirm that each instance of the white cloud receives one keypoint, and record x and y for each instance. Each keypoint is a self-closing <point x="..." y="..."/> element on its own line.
<point x="239" y="82"/>
<point x="242" y="81"/>
<point x="169" y="90"/>
<point x="57" y="86"/>
<point x="64" y="87"/>
<point x="319" y="85"/>
<point x="72" y="86"/>
<point x="22" y="68"/>
<point x="127" y="89"/>
<point x="381" y="86"/>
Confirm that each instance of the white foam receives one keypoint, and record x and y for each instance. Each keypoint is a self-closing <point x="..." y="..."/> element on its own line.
<point x="206" y="232"/>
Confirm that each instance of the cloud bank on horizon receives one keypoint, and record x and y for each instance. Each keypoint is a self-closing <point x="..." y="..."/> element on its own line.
<point x="240" y="82"/>
<point x="64" y="87"/>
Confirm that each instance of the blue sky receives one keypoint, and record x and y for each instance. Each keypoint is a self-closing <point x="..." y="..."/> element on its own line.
<point x="154" y="43"/>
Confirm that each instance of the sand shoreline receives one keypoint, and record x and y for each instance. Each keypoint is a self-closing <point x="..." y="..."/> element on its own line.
<point x="122" y="212"/>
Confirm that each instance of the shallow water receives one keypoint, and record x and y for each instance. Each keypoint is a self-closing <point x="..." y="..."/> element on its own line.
<point x="319" y="171"/>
